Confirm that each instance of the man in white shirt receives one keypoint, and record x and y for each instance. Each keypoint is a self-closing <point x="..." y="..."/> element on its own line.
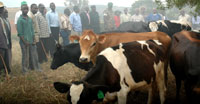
<point x="17" y="15"/>
<point x="137" y="17"/>
<point x="185" y="17"/>
<point x="125" y="17"/>
<point x="196" y="22"/>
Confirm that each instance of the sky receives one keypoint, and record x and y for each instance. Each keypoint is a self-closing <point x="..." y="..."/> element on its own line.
<point x="17" y="3"/>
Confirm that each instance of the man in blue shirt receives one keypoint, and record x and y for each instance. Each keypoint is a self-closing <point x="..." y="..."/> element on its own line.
<point x="154" y="17"/>
<point x="54" y="25"/>
<point x="75" y="21"/>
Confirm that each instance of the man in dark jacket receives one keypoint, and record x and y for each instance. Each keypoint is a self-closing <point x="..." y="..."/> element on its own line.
<point x="94" y="20"/>
<point x="85" y="19"/>
<point x="5" y="40"/>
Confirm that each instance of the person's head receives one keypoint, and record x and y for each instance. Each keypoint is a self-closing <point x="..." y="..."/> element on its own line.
<point x="5" y="13"/>
<point x="110" y="5"/>
<point x="126" y="10"/>
<point x="136" y="11"/>
<point x="41" y="8"/>
<point x="1" y="8"/>
<point x="117" y="13"/>
<point x="52" y="6"/>
<point x="93" y="8"/>
<point x="86" y="9"/>
<point x="154" y="11"/>
<point x="34" y="8"/>
<point x="76" y="9"/>
<point x="67" y="11"/>
<point x="182" y="12"/>
<point x="24" y="8"/>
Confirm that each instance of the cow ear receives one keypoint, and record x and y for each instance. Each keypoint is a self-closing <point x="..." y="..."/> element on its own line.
<point x="62" y="87"/>
<point x="74" y="37"/>
<point x="101" y="39"/>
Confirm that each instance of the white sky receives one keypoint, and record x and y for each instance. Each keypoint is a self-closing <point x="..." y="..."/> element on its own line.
<point x="17" y="3"/>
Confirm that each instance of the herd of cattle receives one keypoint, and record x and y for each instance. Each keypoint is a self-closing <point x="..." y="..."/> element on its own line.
<point x="136" y="55"/>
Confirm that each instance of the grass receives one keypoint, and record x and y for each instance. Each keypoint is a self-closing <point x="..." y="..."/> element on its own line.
<point x="35" y="87"/>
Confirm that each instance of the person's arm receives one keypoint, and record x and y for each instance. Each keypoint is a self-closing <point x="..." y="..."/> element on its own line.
<point x="33" y="33"/>
<point x="71" y="21"/>
<point x="48" y="20"/>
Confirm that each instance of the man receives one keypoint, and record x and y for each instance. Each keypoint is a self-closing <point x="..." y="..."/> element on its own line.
<point x="137" y="17"/>
<point x="44" y="44"/>
<point x="75" y="21"/>
<point x="26" y="35"/>
<point x="65" y="26"/>
<point x="53" y="21"/>
<point x="94" y="19"/>
<point x="196" y="22"/>
<point x="125" y="17"/>
<point x="34" y="60"/>
<point x="85" y="18"/>
<point x="5" y="40"/>
<point x="154" y="17"/>
<point x="109" y="23"/>
<point x="185" y="17"/>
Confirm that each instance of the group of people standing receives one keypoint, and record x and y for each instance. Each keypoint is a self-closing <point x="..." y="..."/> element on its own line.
<point x="39" y="30"/>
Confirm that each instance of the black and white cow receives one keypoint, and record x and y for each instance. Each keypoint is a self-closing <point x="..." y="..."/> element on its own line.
<point x="68" y="53"/>
<point x="167" y="26"/>
<point x="119" y="70"/>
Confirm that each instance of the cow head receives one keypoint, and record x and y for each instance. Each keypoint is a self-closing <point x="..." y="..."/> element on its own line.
<point x="81" y="92"/>
<point x="58" y="58"/>
<point x="89" y="44"/>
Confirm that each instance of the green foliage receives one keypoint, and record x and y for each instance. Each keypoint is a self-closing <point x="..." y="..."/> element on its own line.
<point x="180" y="4"/>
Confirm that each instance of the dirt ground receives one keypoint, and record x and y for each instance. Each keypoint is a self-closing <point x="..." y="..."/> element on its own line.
<point x="37" y="87"/>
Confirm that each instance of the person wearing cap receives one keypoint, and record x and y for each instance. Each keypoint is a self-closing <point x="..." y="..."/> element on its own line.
<point x="108" y="16"/>
<point x="18" y="13"/>
<point x="26" y="34"/>
<point x="94" y="19"/>
<point x="5" y="40"/>
<point x="34" y="64"/>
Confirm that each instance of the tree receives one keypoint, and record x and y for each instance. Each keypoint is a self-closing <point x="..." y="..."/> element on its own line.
<point x="80" y="3"/>
<point x="180" y="4"/>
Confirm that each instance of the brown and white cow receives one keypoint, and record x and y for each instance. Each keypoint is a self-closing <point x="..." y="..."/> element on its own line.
<point x="185" y="62"/>
<point x="91" y="44"/>
<point x="119" y="70"/>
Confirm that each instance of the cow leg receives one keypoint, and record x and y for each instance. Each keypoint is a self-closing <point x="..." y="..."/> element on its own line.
<point x="160" y="79"/>
<point x="150" y="94"/>
<point x="122" y="94"/>
<point x="178" y="86"/>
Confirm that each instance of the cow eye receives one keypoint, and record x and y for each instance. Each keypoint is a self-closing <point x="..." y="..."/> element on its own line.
<point x="93" y="44"/>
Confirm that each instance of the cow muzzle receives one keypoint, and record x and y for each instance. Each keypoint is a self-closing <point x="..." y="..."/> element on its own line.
<point x="83" y="60"/>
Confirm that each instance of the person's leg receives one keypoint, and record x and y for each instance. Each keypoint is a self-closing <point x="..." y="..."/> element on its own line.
<point x="25" y="58"/>
<point x="34" y="57"/>
<point x="2" y="53"/>
<point x="7" y="60"/>
<point x="65" y="37"/>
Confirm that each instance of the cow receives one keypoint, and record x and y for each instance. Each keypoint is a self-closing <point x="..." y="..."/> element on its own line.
<point x="68" y="53"/>
<point x="169" y="27"/>
<point x="185" y="62"/>
<point x="119" y="70"/>
<point x="92" y="44"/>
